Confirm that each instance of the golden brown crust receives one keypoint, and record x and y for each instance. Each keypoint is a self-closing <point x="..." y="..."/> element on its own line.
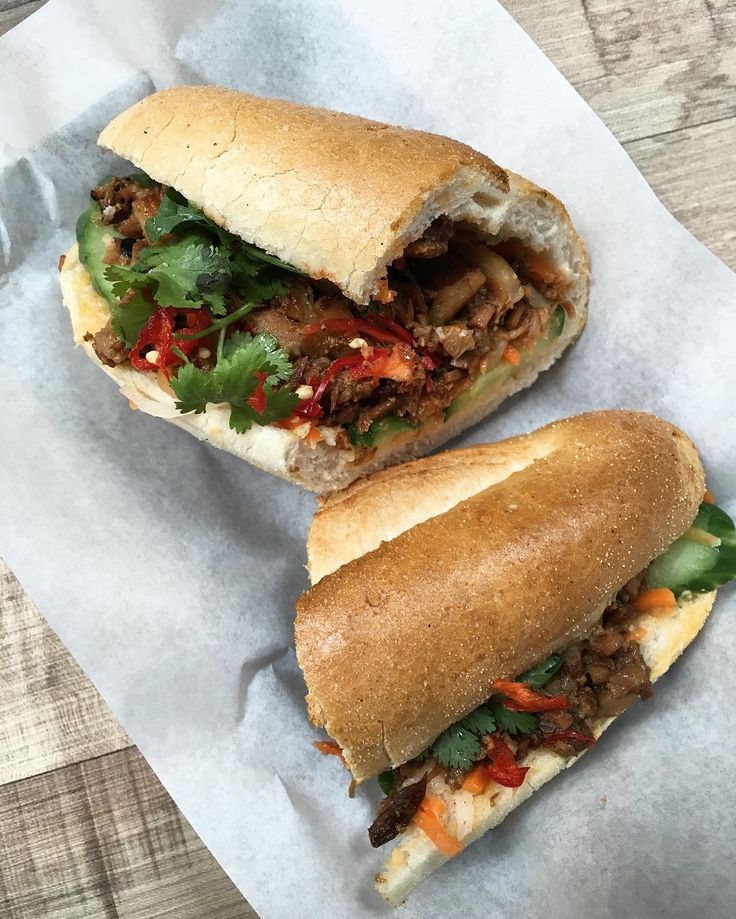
<point x="337" y="195"/>
<point x="492" y="585"/>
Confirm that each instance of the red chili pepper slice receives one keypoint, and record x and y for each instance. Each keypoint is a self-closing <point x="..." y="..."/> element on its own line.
<point x="569" y="736"/>
<point x="257" y="399"/>
<point x="158" y="332"/>
<point x="502" y="767"/>
<point x="311" y="407"/>
<point x="339" y="325"/>
<point x="394" y="327"/>
<point x="196" y="321"/>
<point x="522" y="699"/>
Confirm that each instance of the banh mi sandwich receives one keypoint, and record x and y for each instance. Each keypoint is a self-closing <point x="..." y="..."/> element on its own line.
<point x="316" y="293"/>
<point x="478" y="618"/>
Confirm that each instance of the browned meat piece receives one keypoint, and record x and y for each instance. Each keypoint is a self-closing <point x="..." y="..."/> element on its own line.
<point x="455" y="339"/>
<point x="572" y="664"/>
<point x="116" y="199"/>
<point x="551" y="722"/>
<point x="275" y="322"/>
<point x="395" y="812"/>
<point x="606" y="642"/>
<point x="628" y="680"/>
<point x="345" y="389"/>
<point x="482" y="308"/>
<point x="434" y="240"/>
<point x="108" y="347"/>
<point x="375" y="413"/>
<point x="298" y="302"/>
<point x="584" y="703"/>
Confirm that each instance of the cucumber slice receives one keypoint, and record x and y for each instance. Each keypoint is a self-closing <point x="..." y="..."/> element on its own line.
<point x="380" y="431"/>
<point x="689" y="565"/>
<point x="479" y="388"/>
<point x="682" y="563"/>
<point x="92" y="238"/>
<point x="556" y="324"/>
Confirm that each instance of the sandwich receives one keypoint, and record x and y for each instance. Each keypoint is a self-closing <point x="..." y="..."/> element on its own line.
<point x="478" y="618"/>
<point x="319" y="294"/>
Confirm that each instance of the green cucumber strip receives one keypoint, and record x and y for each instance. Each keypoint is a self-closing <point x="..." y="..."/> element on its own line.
<point x="689" y="565"/>
<point x="556" y="323"/>
<point x="684" y="561"/>
<point x="380" y="431"/>
<point x="91" y="237"/>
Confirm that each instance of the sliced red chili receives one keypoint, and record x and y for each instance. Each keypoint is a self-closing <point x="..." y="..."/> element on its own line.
<point x="158" y="334"/>
<point x="568" y="737"/>
<point x="311" y="407"/>
<point x="522" y="699"/>
<point x="257" y="399"/>
<point x="342" y="326"/>
<point x="394" y="327"/>
<point x="196" y="321"/>
<point x="502" y="766"/>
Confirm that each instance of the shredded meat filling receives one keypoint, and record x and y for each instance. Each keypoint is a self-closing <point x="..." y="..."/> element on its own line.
<point x="460" y="304"/>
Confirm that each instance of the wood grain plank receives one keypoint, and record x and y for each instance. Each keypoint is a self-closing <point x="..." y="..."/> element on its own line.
<point x="14" y="11"/>
<point x="693" y="171"/>
<point x="103" y="839"/>
<point x="646" y="68"/>
<point x="51" y="714"/>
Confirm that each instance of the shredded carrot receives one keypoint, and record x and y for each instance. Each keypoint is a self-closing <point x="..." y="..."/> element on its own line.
<point x="656" y="598"/>
<point x="637" y="634"/>
<point x="62" y="259"/>
<point x="708" y="497"/>
<point x="314" y="436"/>
<point x="330" y="748"/>
<point x="511" y="355"/>
<point x="477" y="780"/>
<point x="430" y="824"/>
<point x="132" y="406"/>
<point x="434" y="805"/>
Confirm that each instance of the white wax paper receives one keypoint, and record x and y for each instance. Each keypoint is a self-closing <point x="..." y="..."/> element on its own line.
<point x="171" y="569"/>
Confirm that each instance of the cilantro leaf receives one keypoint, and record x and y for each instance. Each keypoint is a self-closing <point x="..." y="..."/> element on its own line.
<point x="234" y="380"/>
<point x="537" y="676"/>
<point x="174" y="211"/>
<point x="194" y="389"/>
<point x="456" y="747"/>
<point x="512" y="722"/>
<point x="278" y="357"/>
<point x="129" y="316"/>
<point x="481" y="721"/>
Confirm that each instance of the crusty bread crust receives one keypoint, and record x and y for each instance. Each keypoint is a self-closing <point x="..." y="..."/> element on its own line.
<point x="336" y="195"/>
<point x="320" y="467"/>
<point x="415" y="856"/>
<point x="448" y="605"/>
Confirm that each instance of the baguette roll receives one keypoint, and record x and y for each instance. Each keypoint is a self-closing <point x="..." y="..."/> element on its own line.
<point x="475" y="566"/>
<point x="340" y="198"/>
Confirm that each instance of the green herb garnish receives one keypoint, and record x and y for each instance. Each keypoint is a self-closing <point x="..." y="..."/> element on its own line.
<point x="234" y="380"/>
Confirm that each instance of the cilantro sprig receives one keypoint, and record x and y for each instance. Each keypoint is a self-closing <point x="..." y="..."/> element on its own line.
<point x="460" y="745"/>
<point x="190" y="263"/>
<point x="234" y="380"/>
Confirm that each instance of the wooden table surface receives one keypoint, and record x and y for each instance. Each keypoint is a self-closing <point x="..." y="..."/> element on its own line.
<point x="86" y="830"/>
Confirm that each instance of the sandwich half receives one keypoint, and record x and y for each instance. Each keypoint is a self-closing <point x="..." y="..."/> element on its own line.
<point x="316" y="293"/>
<point x="478" y="618"/>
